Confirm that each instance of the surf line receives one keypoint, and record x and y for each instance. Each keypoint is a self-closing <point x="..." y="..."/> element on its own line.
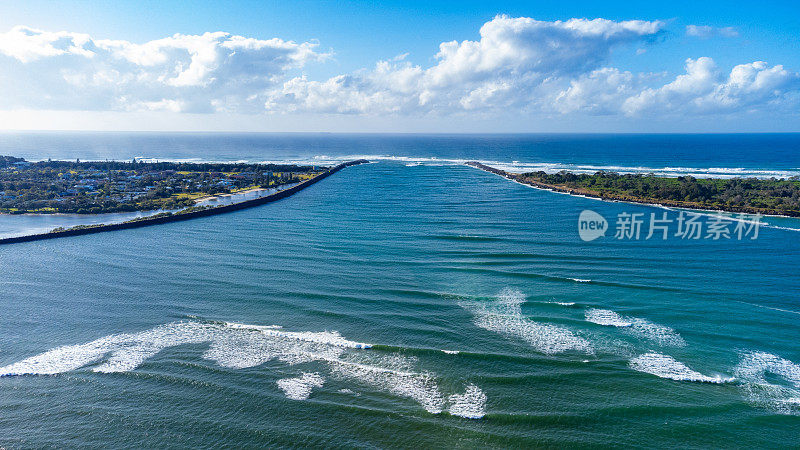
<point x="178" y="217"/>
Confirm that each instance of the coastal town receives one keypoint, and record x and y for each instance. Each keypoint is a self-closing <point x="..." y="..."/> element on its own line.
<point x="92" y="187"/>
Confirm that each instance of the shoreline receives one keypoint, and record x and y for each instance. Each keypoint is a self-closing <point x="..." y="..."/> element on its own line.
<point x="577" y="192"/>
<point x="179" y="217"/>
<point x="244" y="191"/>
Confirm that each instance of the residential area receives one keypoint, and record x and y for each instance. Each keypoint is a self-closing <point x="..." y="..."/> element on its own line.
<point x="111" y="186"/>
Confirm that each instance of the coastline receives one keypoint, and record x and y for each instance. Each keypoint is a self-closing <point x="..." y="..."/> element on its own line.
<point x="585" y="193"/>
<point x="243" y="191"/>
<point x="181" y="216"/>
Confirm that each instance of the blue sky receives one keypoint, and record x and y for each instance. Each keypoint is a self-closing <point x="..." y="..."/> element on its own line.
<point x="631" y="83"/>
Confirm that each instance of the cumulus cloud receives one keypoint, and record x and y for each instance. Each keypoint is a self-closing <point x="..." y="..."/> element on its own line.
<point x="706" y="31"/>
<point x="598" y="92"/>
<point x="518" y="65"/>
<point x="512" y="55"/>
<point x="705" y="89"/>
<point x="208" y="72"/>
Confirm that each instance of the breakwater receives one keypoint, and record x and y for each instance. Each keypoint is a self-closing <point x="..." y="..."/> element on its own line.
<point x="178" y="217"/>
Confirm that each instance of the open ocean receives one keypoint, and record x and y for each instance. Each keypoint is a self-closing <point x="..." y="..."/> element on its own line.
<point x="412" y="302"/>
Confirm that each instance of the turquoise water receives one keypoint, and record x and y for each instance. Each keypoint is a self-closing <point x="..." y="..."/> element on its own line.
<point x="163" y="336"/>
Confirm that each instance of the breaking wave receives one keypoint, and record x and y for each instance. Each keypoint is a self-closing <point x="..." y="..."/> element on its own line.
<point x="661" y="334"/>
<point x="300" y="388"/>
<point x="471" y="404"/>
<point x="239" y="346"/>
<point x="752" y="370"/>
<point x="606" y="317"/>
<point x="664" y="366"/>
<point x="510" y="166"/>
<point x="397" y="379"/>
<point x="504" y="316"/>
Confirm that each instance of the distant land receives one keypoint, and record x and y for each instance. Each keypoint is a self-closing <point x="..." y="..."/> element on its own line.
<point x="743" y="195"/>
<point x="94" y="187"/>
<point x="189" y="213"/>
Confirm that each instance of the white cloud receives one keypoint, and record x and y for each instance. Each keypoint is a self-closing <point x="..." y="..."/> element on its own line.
<point x="518" y="66"/>
<point x="706" y="31"/>
<point x="703" y="89"/>
<point x="600" y="92"/>
<point x="513" y="58"/>
<point x="208" y="72"/>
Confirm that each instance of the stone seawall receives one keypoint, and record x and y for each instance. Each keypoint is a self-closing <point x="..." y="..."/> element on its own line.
<point x="178" y="217"/>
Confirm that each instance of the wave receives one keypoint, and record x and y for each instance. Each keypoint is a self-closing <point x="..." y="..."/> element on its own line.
<point x="471" y="404"/>
<point x="607" y="318"/>
<point x="554" y="167"/>
<point x="510" y="166"/>
<point x="664" y="366"/>
<point x="466" y="238"/>
<point x="561" y="303"/>
<point x="396" y="379"/>
<point x="504" y="316"/>
<point x="698" y="172"/>
<point x="300" y="388"/>
<point x="781" y="395"/>
<point x="643" y="328"/>
<point x="239" y="346"/>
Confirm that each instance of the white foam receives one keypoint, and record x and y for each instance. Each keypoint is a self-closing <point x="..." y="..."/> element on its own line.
<point x="396" y="379"/>
<point x="60" y="359"/>
<point x="606" y="317"/>
<point x="504" y="316"/>
<point x="665" y="366"/>
<point x="300" y="388"/>
<point x="581" y="280"/>
<point x="471" y="404"/>
<point x="751" y="370"/>
<point x="239" y="346"/>
<point x="127" y="351"/>
<point x="661" y="334"/>
<point x="451" y="352"/>
<point x="642" y="328"/>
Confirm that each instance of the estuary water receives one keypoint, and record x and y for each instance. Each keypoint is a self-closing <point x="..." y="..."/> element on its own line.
<point x="412" y="302"/>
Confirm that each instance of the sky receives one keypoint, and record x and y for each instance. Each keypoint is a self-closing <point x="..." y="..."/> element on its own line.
<point x="392" y="66"/>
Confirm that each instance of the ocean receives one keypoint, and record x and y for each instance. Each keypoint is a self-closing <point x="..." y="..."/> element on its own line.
<point x="411" y="302"/>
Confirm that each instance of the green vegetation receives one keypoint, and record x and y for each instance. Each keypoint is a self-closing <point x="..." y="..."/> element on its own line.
<point x="114" y="186"/>
<point x="750" y="195"/>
